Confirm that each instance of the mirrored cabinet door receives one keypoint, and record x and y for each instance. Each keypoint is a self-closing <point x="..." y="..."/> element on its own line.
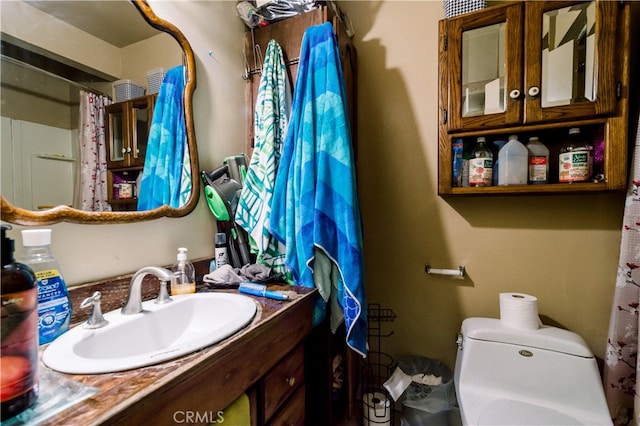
<point x="116" y="134"/>
<point x="571" y="68"/>
<point x="142" y="113"/>
<point x="485" y="68"/>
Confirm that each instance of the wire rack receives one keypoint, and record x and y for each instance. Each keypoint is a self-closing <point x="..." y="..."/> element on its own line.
<point x="377" y="403"/>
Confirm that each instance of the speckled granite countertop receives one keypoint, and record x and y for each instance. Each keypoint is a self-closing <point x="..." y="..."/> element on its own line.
<point x="150" y="393"/>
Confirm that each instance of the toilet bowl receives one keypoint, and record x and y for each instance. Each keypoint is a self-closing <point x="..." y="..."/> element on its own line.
<point x="508" y="376"/>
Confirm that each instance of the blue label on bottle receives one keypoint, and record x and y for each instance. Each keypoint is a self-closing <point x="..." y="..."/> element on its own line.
<point x="54" y="308"/>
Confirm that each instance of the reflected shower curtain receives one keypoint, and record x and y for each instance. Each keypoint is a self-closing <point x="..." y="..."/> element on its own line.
<point x="621" y="368"/>
<point x="92" y="194"/>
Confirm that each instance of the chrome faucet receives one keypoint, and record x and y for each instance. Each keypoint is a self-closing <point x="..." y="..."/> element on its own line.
<point x="133" y="305"/>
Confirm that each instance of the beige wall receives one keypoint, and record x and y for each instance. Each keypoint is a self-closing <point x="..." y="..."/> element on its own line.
<point x="562" y="249"/>
<point x="18" y="20"/>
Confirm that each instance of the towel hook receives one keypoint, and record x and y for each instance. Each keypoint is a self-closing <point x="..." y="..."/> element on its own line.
<point x="246" y="74"/>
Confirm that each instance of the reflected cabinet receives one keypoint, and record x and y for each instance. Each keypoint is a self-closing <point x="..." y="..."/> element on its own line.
<point x="536" y="70"/>
<point x="127" y="133"/>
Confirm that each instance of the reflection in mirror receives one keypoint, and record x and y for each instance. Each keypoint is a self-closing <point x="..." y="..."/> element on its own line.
<point x="90" y="64"/>
<point x="483" y="70"/>
<point x="568" y="59"/>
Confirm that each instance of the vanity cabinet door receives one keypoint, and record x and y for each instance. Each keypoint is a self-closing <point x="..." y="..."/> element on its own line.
<point x="293" y="413"/>
<point x="281" y="382"/>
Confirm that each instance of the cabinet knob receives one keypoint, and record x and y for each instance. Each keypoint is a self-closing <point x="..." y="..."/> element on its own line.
<point x="124" y="150"/>
<point x="533" y="91"/>
<point x="129" y="149"/>
<point x="291" y="381"/>
<point x="514" y="94"/>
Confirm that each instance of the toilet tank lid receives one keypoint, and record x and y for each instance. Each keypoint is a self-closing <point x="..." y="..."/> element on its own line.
<point x="545" y="337"/>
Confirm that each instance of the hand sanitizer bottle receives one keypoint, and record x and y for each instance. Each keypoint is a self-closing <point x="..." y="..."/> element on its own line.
<point x="54" y="306"/>
<point x="184" y="271"/>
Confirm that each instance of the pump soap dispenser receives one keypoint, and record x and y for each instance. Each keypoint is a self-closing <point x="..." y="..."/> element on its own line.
<point x="184" y="271"/>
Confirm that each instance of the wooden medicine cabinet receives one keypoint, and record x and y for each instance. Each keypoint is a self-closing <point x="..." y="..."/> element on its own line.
<point x="537" y="69"/>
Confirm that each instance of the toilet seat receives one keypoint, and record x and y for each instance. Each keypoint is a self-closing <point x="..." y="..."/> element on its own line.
<point x="510" y="413"/>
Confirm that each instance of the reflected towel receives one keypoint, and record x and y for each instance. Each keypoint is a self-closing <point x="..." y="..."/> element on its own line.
<point x="163" y="177"/>
<point x="315" y="204"/>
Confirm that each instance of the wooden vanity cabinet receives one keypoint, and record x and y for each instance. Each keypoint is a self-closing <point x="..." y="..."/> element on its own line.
<point x="266" y="362"/>
<point x="536" y="69"/>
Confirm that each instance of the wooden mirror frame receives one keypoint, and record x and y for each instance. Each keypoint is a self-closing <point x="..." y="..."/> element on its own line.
<point x="19" y="216"/>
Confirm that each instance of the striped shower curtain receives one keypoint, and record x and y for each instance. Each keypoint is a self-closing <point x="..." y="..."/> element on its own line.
<point x="621" y="368"/>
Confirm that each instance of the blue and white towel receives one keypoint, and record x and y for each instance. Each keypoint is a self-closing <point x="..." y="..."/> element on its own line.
<point x="273" y="105"/>
<point x="315" y="209"/>
<point x="166" y="175"/>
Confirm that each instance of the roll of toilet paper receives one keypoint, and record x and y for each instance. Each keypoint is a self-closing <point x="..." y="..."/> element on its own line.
<point x="519" y="310"/>
<point x="376" y="409"/>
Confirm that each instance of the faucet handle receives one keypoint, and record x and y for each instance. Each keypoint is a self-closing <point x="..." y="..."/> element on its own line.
<point x="95" y="320"/>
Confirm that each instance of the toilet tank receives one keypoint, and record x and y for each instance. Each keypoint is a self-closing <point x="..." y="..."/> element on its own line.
<point x="549" y="368"/>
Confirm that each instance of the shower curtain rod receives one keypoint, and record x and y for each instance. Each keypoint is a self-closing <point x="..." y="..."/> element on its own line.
<point x="50" y="74"/>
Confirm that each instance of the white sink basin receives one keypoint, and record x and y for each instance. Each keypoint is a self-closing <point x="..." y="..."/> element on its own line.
<point x="161" y="332"/>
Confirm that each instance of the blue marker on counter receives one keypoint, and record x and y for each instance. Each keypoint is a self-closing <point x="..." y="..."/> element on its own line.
<point x="257" y="289"/>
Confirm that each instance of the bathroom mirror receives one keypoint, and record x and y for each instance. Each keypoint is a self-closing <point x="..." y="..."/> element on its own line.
<point x="23" y="216"/>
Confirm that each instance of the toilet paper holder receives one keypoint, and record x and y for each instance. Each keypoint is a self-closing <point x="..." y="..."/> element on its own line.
<point x="459" y="273"/>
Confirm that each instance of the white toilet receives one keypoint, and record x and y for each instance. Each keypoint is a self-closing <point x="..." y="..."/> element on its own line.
<point x="508" y="376"/>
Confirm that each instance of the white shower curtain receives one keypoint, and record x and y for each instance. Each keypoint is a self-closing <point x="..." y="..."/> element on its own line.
<point x="621" y="368"/>
<point x="92" y="194"/>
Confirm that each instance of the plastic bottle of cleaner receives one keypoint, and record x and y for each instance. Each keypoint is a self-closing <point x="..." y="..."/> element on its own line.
<point x="575" y="160"/>
<point x="513" y="159"/>
<point x="221" y="249"/>
<point x="496" y="163"/>
<point x="54" y="306"/>
<point x="480" y="164"/>
<point x="19" y="343"/>
<point x="538" y="161"/>
<point x="185" y="275"/>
